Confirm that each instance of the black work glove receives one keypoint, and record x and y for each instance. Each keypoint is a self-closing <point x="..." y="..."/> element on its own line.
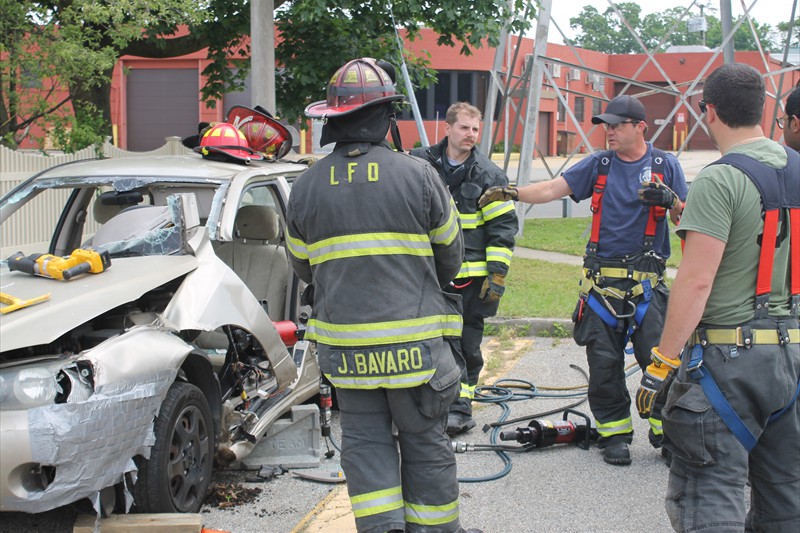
<point x="307" y="296"/>
<point x="656" y="193"/>
<point x="498" y="194"/>
<point x="493" y="288"/>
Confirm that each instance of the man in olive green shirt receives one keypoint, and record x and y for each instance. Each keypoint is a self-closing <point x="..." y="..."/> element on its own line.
<point x="748" y="350"/>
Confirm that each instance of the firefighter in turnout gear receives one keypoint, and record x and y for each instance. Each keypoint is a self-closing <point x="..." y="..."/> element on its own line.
<point x="623" y="297"/>
<point x="489" y="233"/>
<point x="377" y="235"/>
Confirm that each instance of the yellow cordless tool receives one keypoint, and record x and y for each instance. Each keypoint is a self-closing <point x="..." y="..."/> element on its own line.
<point x="66" y="268"/>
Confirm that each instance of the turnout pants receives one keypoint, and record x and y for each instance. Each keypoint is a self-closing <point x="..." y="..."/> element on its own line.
<point x="608" y="394"/>
<point x="474" y="313"/>
<point x="710" y="467"/>
<point x="415" y="490"/>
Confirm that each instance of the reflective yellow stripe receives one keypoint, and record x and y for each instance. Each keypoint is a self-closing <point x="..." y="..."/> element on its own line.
<point x="471" y="220"/>
<point x="365" y="244"/>
<point x="379" y="333"/>
<point x="496" y="209"/>
<point x="499" y="254"/>
<point x="380" y="501"/>
<point x="431" y="515"/>
<point x="446" y="233"/>
<point x="617" y="427"/>
<point x="297" y="248"/>
<point x="399" y="381"/>
<point x="655" y="426"/>
<point x="467" y="391"/>
<point x="473" y="269"/>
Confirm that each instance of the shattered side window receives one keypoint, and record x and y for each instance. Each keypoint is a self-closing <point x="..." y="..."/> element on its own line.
<point x="143" y="231"/>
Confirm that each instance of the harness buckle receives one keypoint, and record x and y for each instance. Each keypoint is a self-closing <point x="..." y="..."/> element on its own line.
<point x="702" y="338"/>
<point x="783" y="333"/>
<point x="746" y="334"/>
<point x="695" y="364"/>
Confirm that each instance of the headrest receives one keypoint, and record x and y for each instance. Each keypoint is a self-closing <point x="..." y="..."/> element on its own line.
<point x="257" y="222"/>
<point x="103" y="213"/>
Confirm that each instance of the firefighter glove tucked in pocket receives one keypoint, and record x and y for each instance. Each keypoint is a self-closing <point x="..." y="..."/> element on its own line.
<point x="493" y="288"/>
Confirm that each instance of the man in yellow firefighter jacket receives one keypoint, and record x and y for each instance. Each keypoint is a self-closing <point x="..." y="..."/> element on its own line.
<point x="489" y="233"/>
<point x="376" y="233"/>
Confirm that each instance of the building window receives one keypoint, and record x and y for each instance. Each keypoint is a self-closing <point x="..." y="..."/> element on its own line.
<point x="579" y="111"/>
<point x="451" y="86"/>
<point x="597" y="107"/>
<point x="561" y="112"/>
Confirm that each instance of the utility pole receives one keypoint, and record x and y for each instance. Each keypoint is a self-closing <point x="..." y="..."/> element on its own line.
<point x="725" y="15"/>
<point x="262" y="57"/>
<point x="702" y="27"/>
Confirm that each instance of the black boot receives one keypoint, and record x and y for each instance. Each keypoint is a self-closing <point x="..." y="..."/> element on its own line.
<point x="617" y="453"/>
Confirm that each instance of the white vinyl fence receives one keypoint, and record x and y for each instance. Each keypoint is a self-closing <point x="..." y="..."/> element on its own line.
<point x="16" y="167"/>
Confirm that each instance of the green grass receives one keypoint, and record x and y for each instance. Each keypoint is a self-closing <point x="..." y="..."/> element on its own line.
<point x="540" y="289"/>
<point x="569" y="236"/>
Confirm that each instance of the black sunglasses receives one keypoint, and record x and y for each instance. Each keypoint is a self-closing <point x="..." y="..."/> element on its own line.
<point x="702" y="104"/>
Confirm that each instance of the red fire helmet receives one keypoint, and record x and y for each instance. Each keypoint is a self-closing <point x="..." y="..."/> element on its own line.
<point x="359" y="83"/>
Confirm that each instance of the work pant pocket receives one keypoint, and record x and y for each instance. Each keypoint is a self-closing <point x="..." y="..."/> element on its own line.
<point x="691" y="425"/>
<point x="433" y="403"/>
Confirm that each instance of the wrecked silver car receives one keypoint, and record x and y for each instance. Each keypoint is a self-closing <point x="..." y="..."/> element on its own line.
<point x="133" y="375"/>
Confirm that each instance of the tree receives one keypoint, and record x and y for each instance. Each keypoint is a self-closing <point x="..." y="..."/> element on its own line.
<point x="606" y="33"/>
<point x="73" y="45"/>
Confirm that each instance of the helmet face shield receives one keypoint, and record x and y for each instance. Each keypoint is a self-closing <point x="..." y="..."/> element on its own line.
<point x="359" y="83"/>
<point x="224" y="142"/>
<point x="263" y="133"/>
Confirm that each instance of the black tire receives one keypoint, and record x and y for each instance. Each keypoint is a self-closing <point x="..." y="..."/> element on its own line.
<point x="176" y="477"/>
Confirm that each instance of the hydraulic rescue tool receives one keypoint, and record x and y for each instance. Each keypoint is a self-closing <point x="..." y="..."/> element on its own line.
<point x="543" y="433"/>
<point x="66" y="268"/>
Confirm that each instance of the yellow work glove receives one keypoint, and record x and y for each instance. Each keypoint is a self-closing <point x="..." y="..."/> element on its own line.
<point x="493" y="288"/>
<point x="498" y="194"/>
<point x="653" y="380"/>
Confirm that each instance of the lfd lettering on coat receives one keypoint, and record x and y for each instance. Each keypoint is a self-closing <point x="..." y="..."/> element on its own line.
<point x="356" y="172"/>
<point x="383" y="362"/>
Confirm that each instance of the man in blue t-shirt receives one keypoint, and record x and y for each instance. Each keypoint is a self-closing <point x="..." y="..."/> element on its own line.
<point x="623" y="297"/>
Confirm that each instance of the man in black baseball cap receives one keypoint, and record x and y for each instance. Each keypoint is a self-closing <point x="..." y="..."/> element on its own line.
<point x="635" y="184"/>
<point x="620" y="109"/>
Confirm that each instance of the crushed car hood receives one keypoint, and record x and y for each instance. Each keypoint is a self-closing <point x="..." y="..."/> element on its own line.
<point x="81" y="299"/>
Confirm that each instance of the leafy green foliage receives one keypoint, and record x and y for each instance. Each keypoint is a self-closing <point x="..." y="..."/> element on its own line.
<point x="606" y="32"/>
<point x="347" y="29"/>
<point x="78" y="42"/>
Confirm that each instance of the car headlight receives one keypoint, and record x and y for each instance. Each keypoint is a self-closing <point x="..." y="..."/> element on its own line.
<point x="27" y="387"/>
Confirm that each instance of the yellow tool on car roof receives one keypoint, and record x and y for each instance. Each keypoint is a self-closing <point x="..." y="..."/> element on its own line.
<point x="62" y="268"/>
<point x="12" y="303"/>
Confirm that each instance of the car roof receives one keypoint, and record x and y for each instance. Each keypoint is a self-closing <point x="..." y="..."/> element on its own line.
<point x="180" y="166"/>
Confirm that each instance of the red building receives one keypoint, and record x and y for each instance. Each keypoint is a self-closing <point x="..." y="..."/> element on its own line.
<point x="155" y="98"/>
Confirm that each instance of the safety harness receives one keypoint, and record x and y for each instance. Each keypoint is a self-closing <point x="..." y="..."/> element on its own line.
<point x="780" y="191"/>
<point x="593" y="293"/>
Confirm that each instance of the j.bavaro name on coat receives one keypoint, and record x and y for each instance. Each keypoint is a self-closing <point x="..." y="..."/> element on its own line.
<point x="381" y="362"/>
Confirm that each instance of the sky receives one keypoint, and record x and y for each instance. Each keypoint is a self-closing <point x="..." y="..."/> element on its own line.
<point x="764" y="11"/>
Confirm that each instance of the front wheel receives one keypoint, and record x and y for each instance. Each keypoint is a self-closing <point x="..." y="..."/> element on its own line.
<point x="177" y="475"/>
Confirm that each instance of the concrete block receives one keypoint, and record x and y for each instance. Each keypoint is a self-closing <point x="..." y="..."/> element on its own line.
<point x="292" y="441"/>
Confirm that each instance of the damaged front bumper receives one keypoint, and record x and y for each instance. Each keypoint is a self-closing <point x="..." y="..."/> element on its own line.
<point x="52" y="455"/>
